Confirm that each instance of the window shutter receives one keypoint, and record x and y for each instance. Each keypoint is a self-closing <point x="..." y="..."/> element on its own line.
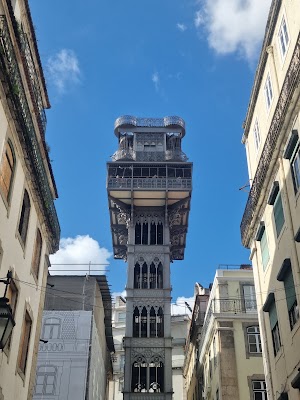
<point x="273" y="315"/>
<point x="289" y="289"/>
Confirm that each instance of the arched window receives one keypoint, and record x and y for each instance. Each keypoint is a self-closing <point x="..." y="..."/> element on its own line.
<point x="159" y="276"/>
<point x="152" y="322"/>
<point x="24" y="217"/>
<point x="145" y="233"/>
<point x="152" y="233"/>
<point x="36" y="259"/>
<point x="160" y="233"/>
<point x="138" y="233"/>
<point x="156" y="375"/>
<point x="137" y="276"/>
<point x="152" y="276"/>
<point x="160" y="323"/>
<point x="144" y="276"/>
<point x="144" y="323"/>
<point x="136" y="323"/>
<point x="7" y="170"/>
<point x="139" y="376"/>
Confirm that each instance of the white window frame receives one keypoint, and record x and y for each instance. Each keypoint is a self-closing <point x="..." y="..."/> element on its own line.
<point x="257" y="339"/>
<point x="283" y="37"/>
<point x="256" y="135"/>
<point x="295" y="163"/>
<point x="268" y="92"/>
<point x="262" y="391"/>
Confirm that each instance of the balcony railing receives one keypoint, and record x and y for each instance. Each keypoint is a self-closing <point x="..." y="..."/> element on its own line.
<point x="28" y="137"/>
<point x="147" y="396"/>
<point x="150" y="183"/>
<point x="33" y="83"/>
<point x="230" y="306"/>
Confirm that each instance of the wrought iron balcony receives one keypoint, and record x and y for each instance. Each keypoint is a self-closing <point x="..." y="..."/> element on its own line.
<point x="271" y="148"/>
<point x="33" y="83"/>
<point x="20" y="107"/>
<point x="149" y="183"/>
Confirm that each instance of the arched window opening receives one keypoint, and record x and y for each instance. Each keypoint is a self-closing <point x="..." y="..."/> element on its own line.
<point x="152" y="323"/>
<point x="160" y="323"/>
<point x="24" y="217"/>
<point x="160" y="233"/>
<point x="152" y="276"/>
<point x="136" y="323"/>
<point x="7" y="170"/>
<point x="139" y="377"/>
<point x="159" y="276"/>
<point x="145" y="233"/>
<point x="138" y="233"/>
<point x="137" y="276"/>
<point x="156" y="382"/>
<point x="144" y="276"/>
<point x="153" y="233"/>
<point x="144" y="323"/>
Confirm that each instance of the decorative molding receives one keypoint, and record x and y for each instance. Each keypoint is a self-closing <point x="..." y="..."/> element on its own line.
<point x="260" y="185"/>
<point x="147" y="342"/>
<point x="149" y="258"/>
<point x="142" y="354"/>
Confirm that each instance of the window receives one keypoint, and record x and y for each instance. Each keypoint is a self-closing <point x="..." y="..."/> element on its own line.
<point x="148" y="324"/>
<point x="24" y="342"/>
<point x="286" y="276"/>
<point x="256" y="135"/>
<point x="121" y="317"/>
<point x="148" y="276"/>
<point x="296" y="169"/>
<point x="217" y="394"/>
<point x="254" y="341"/>
<point x="51" y="328"/>
<point x="278" y="214"/>
<point x="259" y="390"/>
<point x="147" y="377"/>
<point x="264" y="249"/>
<point x="36" y="259"/>
<point x="45" y="380"/>
<point x="7" y="170"/>
<point x="149" y="233"/>
<point x="24" y="218"/>
<point x="121" y="384"/>
<point x="270" y="307"/>
<point x="283" y="37"/>
<point x="268" y="91"/>
<point x="249" y="298"/>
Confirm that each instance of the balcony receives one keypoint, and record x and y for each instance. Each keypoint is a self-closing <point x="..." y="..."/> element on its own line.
<point x="149" y="183"/>
<point x="19" y="107"/>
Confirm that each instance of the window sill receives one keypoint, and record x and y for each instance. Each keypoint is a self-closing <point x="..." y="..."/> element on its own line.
<point x="296" y="328"/>
<point x="21" y="374"/>
<point x="22" y="244"/>
<point x="279" y="354"/>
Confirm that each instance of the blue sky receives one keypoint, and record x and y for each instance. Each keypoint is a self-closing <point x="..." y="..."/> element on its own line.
<point x="195" y="59"/>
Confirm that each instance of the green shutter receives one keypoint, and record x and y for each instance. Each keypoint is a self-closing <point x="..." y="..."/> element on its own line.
<point x="289" y="287"/>
<point x="264" y="250"/>
<point x="278" y="214"/>
<point x="273" y="315"/>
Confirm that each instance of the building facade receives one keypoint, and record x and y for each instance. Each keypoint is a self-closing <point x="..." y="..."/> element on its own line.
<point x="29" y="228"/>
<point x="229" y="359"/>
<point x="179" y="330"/>
<point x="271" y="221"/>
<point x="149" y="190"/>
<point x="74" y="353"/>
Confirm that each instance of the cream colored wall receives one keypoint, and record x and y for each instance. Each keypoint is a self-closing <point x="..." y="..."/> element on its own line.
<point x="277" y="69"/>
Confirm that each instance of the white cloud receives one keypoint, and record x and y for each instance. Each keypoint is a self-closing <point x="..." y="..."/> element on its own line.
<point x="179" y="307"/>
<point x="234" y="26"/>
<point x="155" y="79"/>
<point x="63" y="69"/>
<point x="79" y="250"/>
<point x="181" y="27"/>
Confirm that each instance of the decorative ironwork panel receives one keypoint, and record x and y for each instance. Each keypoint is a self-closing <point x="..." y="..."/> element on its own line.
<point x="271" y="144"/>
<point x="10" y="67"/>
<point x="149" y="122"/>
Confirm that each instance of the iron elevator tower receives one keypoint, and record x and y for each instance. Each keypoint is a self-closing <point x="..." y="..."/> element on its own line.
<point x="149" y="185"/>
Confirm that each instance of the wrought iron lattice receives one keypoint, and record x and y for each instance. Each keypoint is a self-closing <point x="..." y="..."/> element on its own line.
<point x="271" y="144"/>
<point x="9" y="67"/>
<point x="149" y="122"/>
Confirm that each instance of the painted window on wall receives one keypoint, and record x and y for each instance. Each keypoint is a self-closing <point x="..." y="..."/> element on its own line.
<point x="45" y="380"/>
